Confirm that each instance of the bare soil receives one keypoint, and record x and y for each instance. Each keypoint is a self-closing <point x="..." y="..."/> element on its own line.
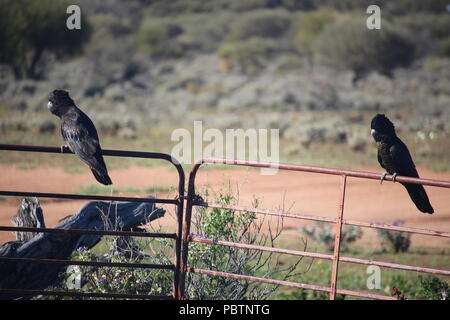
<point x="296" y="192"/>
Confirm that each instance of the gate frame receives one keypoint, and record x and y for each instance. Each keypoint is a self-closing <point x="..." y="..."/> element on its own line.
<point x="183" y="237"/>
<point x="195" y="200"/>
<point x="178" y="202"/>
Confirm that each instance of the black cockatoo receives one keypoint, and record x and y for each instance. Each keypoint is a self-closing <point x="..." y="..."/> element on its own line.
<point x="79" y="133"/>
<point x="394" y="156"/>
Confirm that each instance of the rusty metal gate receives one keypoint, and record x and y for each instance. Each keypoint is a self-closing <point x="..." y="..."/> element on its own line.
<point x="194" y="200"/>
<point x="178" y="202"/>
<point x="183" y="237"/>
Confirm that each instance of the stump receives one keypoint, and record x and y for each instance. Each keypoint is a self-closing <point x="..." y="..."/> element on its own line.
<point x="29" y="215"/>
<point x="94" y="215"/>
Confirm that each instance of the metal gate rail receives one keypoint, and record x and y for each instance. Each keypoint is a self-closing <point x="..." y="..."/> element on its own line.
<point x="194" y="200"/>
<point x="183" y="237"/>
<point x="178" y="202"/>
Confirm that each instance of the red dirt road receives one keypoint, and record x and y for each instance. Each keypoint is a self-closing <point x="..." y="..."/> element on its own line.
<point x="317" y="194"/>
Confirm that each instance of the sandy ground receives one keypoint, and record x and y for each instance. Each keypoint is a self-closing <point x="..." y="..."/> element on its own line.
<point x="296" y="192"/>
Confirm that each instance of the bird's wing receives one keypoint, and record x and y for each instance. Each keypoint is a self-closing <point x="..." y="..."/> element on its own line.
<point x="380" y="160"/>
<point x="402" y="160"/>
<point x="80" y="141"/>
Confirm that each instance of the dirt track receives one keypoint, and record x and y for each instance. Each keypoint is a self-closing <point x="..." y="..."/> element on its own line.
<point x="317" y="194"/>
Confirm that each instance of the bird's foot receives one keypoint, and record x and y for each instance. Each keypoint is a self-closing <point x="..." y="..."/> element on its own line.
<point x="394" y="177"/>
<point x="383" y="176"/>
<point x="65" y="148"/>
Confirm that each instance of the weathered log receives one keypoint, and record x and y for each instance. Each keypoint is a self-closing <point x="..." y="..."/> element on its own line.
<point x="94" y="215"/>
<point x="28" y="215"/>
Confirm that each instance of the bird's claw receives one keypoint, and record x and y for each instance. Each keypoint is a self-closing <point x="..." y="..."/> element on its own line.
<point x="383" y="176"/>
<point x="394" y="177"/>
<point x="64" y="148"/>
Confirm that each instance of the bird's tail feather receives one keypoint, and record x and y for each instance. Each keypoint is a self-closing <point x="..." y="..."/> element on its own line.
<point x="101" y="176"/>
<point x="419" y="197"/>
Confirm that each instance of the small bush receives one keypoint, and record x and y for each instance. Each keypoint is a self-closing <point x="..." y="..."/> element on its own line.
<point x="395" y="240"/>
<point x="160" y="39"/>
<point x="30" y="30"/>
<point x="309" y="26"/>
<point x="348" y="44"/>
<point x="430" y="287"/>
<point x="119" y="280"/>
<point x="243" y="227"/>
<point x="249" y="55"/>
<point x="271" y="24"/>
<point x="324" y="233"/>
<point x="434" y="288"/>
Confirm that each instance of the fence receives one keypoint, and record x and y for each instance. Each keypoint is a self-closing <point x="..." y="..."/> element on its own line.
<point x="183" y="237"/>
<point x="194" y="200"/>
<point x="178" y="202"/>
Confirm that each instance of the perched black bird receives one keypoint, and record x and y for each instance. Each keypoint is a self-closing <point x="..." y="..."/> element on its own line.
<point x="393" y="155"/>
<point x="79" y="133"/>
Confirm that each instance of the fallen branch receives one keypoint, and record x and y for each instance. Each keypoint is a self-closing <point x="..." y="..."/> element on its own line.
<point x="94" y="215"/>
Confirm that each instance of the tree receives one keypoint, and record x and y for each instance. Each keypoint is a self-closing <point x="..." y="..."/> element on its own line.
<point x="31" y="29"/>
<point x="348" y="44"/>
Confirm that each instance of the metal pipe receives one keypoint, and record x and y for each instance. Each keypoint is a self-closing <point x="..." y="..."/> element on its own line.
<point x="332" y="171"/>
<point x="89" y="231"/>
<point x="194" y="238"/>
<point x="289" y="284"/>
<point x="83" y="197"/>
<point x="186" y="231"/>
<point x="284" y="214"/>
<point x="120" y="153"/>
<point x="89" y="263"/>
<point x="337" y="239"/>
<point x="83" y="294"/>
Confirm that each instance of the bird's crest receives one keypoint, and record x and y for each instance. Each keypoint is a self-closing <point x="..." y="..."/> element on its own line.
<point x="383" y="125"/>
<point x="60" y="97"/>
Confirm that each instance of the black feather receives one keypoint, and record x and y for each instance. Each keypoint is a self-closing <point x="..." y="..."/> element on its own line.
<point x="394" y="156"/>
<point x="79" y="132"/>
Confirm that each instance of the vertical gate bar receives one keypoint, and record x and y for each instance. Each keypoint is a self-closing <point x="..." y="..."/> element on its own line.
<point x="176" y="276"/>
<point x="337" y="239"/>
<point x="180" y="209"/>
<point x="187" y="229"/>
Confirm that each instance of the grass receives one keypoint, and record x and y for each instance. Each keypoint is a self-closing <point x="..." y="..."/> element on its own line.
<point x="354" y="276"/>
<point x="95" y="189"/>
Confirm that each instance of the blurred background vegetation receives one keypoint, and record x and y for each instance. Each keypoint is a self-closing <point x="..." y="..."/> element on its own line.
<point x="141" y="68"/>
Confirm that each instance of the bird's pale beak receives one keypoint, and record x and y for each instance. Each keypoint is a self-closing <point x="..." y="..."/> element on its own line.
<point x="49" y="105"/>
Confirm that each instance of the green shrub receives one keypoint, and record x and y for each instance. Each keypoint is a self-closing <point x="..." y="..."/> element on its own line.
<point x="249" y="55"/>
<point x="405" y="7"/>
<point x="30" y="29"/>
<point x="309" y="26"/>
<point x="324" y="233"/>
<point x="211" y="223"/>
<point x="429" y="287"/>
<point x="348" y="44"/>
<point x="120" y="280"/>
<point x="243" y="227"/>
<point x="395" y="240"/>
<point x="260" y="23"/>
<point x="434" y="288"/>
<point x="159" y="38"/>
<point x="430" y="31"/>
<point x="248" y="5"/>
